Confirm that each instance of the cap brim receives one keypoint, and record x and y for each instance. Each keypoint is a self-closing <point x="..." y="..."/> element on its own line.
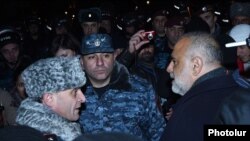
<point x="235" y="44"/>
<point x="100" y="50"/>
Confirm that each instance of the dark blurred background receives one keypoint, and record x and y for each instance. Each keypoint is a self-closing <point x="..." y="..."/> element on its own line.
<point x="19" y="9"/>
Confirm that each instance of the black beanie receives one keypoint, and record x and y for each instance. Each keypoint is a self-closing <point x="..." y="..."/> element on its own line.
<point x="8" y="35"/>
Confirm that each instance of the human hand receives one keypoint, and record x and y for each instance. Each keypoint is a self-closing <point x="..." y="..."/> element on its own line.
<point x="137" y="41"/>
<point x="169" y="113"/>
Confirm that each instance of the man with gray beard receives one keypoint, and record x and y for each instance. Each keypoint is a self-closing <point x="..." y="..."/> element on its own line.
<point x="203" y="83"/>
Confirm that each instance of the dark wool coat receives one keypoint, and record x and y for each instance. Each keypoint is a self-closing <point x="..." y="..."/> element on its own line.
<point x="236" y="109"/>
<point x="197" y="108"/>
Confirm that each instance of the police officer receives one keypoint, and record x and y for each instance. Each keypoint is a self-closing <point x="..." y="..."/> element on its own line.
<point x="11" y="56"/>
<point x="117" y="101"/>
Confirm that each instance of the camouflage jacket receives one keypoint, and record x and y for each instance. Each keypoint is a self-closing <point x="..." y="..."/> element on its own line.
<point x="162" y="52"/>
<point x="128" y="105"/>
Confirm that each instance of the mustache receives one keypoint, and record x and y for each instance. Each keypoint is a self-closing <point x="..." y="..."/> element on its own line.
<point x="172" y="75"/>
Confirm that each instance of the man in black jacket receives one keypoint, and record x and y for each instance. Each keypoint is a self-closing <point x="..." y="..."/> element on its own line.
<point x="198" y="76"/>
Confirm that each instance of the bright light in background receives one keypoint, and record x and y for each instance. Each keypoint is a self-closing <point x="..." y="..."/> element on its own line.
<point x="148" y="2"/>
<point x="48" y="27"/>
<point x="65" y="12"/>
<point x="136" y="7"/>
<point x="225" y="20"/>
<point x="148" y="20"/>
<point x="176" y="7"/>
<point x="119" y="27"/>
<point x="217" y="13"/>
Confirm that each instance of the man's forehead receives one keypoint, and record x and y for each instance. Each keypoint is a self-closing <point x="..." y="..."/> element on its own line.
<point x="89" y="23"/>
<point x="241" y="17"/>
<point x="177" y="27"/>
<point x="9" y="46"/>
<point x="244" y="47"/>
<point x="99" y="53"/>
<point x="160" y="17"/>
<point x="181" y="46"/>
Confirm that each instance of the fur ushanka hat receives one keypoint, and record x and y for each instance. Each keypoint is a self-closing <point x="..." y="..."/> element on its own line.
<point x="53" y="75"/>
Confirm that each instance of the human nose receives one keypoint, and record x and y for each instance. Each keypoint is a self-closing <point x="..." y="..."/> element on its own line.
<point x="11" y="53"/>
<point x="99" y="61"/>
<point x="170" y="67"/>
<point x="90" y="29"/>
<point x="179" y="32"/>
<point x="162" y="22"/>
<point x="81" y="96"/>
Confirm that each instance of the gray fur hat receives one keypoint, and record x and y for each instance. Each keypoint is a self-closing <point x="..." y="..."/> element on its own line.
<point x="53" y="75"/>
<point x="240" y="9"/>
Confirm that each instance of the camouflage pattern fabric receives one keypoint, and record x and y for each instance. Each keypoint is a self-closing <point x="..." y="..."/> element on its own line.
<point x="162" y="52"/>
<point x="127" y="106"/>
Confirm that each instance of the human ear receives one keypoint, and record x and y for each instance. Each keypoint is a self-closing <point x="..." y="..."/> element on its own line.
<point x="81" y="62"/>
<point x="48" y="99"/>
<point x="197" y="63"/>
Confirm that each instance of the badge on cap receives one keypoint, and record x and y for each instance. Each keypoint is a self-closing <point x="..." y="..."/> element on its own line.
<point x="97" y="43"/>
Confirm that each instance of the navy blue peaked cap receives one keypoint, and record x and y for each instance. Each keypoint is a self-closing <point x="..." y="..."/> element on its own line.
<point x="96" y="43"/>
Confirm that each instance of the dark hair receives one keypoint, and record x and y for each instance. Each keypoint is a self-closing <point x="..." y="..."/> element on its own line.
<point x="64" y="41"/>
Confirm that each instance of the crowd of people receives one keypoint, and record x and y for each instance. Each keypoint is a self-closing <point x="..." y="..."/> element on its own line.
<point x="111" y="84"/>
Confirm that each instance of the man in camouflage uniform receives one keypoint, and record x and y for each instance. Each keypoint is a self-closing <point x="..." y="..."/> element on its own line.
<point x="116" y="100"/>
<point x="162" y="52"/>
